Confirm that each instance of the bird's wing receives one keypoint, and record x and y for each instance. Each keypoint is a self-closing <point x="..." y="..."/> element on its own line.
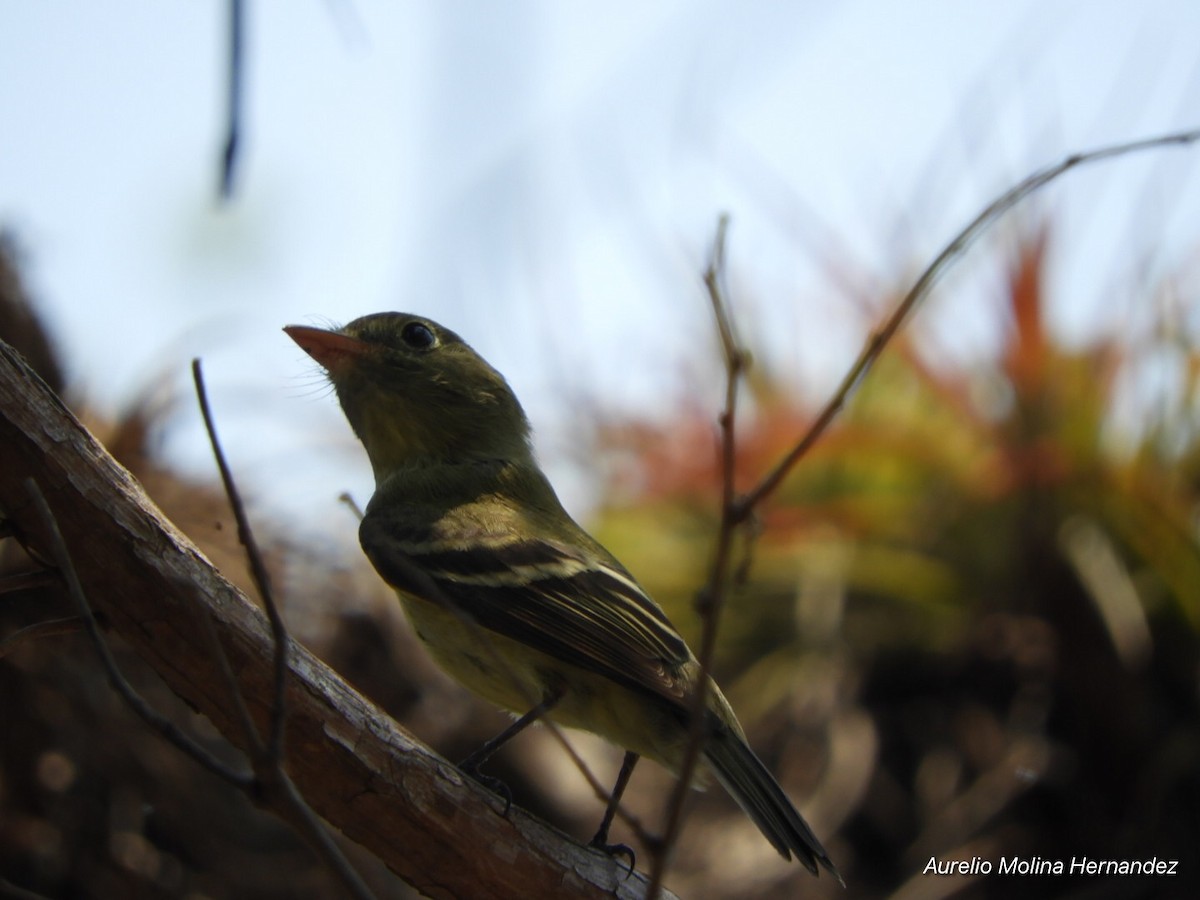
<point x="563" y="601"/>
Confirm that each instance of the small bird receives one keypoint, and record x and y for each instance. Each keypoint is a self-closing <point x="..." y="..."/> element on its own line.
<point x="511" y="596"/>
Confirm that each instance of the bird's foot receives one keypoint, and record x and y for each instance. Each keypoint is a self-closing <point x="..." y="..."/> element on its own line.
<point x="599" y="842"/>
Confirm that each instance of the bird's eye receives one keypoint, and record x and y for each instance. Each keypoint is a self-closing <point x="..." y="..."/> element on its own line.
<point x="418" y="335"/>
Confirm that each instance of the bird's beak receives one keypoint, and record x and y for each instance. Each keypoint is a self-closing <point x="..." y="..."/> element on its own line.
<point x="333" y="350"/>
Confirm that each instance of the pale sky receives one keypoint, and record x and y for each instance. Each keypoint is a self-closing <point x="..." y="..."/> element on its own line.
<point x="545" y="178"/>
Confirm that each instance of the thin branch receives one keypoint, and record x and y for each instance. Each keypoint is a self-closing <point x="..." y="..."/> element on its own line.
<point x="166" y="728"/>
<point x="233" y="123"/>
<point x="257" y="749"/>
<point x="308" y="823"/>
<point x="348" y="499"/>
<point x="278" y="788"/>
<point x="258" y="570"/>
<point x="921" y="288"/>
<point x="710" y="598"/>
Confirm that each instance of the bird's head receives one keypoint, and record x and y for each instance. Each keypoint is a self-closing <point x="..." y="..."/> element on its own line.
<point x="415" y="392"/>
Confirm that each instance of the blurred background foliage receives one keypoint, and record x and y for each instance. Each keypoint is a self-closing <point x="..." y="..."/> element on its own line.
<point x="987" y="574"/>
<point x="969" y="627"/>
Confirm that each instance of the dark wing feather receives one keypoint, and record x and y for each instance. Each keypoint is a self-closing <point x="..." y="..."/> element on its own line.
<point x="576" y="608"/>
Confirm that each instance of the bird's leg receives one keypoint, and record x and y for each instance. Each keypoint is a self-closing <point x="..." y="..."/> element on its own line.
<point x="600" y="841"/>
<point x="472" y="763"/>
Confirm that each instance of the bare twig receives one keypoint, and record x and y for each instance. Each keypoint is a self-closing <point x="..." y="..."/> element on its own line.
<point x="233" y="127"/>
<point x="276" y="788"/>
<point x="347" y="498"/>
<point x="289" y="800"/>
<point x="166" y="728"/>
<point x="249" y="729"/>
<point x="875" y="345"/>
<point x="737" y="512"/>
<point x="710" y="597"/>
<point x="258" y="570"/>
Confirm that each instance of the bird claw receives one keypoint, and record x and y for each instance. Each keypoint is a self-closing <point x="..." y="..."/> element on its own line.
<point x="616" y="850"/>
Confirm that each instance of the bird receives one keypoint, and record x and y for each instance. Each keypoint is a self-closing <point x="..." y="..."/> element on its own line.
<point x="510" y="595"/>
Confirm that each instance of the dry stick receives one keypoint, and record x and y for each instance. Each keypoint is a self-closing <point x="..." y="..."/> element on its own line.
<point x="268" y="755"/>
<point x="711" y="597"/>
<point x="352" y="504"/>
<point x="279" y="786"/>
<point x="242" y="710"/>
<point x="166" y="728"/>
<point x="258" y="571"/>
<point x="233" y="127"/>
<point x="735" y="511"/>
<point x="965" y="238"/>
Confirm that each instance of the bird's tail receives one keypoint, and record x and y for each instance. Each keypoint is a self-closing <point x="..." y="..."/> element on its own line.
<point x="757" y="792"/>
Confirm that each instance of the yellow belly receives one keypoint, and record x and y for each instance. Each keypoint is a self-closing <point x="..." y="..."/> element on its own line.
<point x="517" y="677"/>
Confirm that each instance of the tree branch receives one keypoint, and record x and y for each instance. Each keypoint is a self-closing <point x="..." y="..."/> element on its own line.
<point x="711" y="597"/>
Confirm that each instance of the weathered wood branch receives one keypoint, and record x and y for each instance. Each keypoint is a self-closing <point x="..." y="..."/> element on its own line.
<point x="436" y="829"/>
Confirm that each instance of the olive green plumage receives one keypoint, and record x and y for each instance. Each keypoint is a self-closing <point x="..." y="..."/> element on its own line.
<point x="511" y="596"/>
